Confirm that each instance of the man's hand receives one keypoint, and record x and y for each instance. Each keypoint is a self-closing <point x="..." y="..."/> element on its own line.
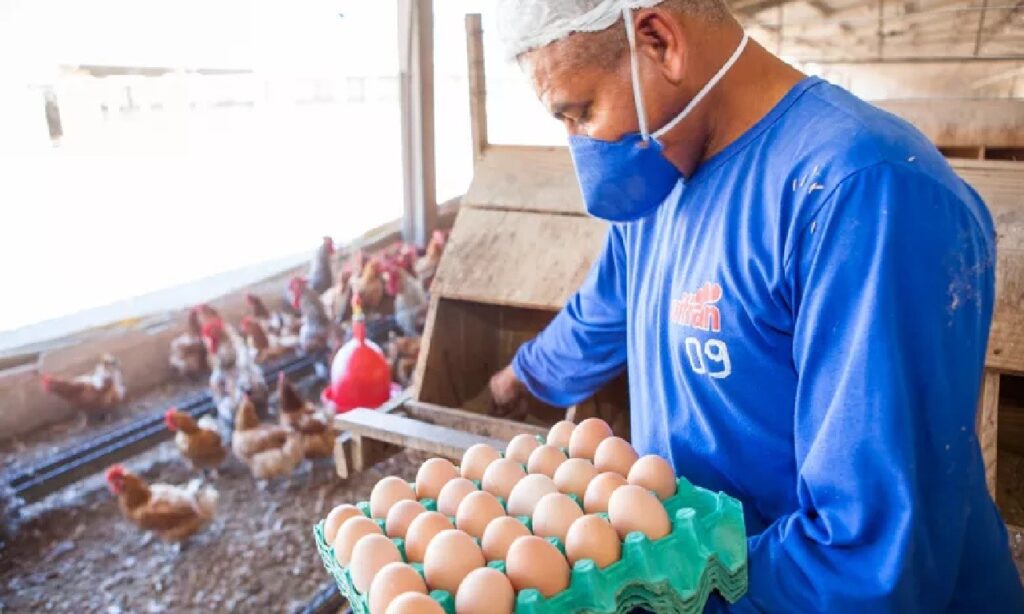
<point x="506" y="388"/>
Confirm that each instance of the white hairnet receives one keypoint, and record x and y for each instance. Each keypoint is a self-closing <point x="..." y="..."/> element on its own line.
<point x="528" y="24"/>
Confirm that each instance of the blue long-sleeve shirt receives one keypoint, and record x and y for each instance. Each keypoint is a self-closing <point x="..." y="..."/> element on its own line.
<point x="804" y="324"/>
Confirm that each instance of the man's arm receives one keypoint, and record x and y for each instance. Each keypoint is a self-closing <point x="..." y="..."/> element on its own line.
<point x="893" y="290"/>
<point x="583" y="347"/>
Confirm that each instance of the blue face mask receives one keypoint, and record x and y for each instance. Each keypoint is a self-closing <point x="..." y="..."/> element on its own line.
<point x="627" y="179"/>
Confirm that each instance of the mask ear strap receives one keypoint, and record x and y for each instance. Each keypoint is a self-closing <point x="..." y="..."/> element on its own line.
<point x="634" y="63"/>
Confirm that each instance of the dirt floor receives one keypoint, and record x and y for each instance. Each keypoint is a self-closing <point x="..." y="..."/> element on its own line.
<point x="75" y="553"/>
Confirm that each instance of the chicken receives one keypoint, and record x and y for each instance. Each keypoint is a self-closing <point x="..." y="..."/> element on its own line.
<point x="371" y="288"/>
<point x="208" y="314"/>
<point x="338" y="298"/>
<point x="410" y="298"/>
<point x="426" y="267"/>
<point x="321" y="274"/>
<point x="317" y="333"/>
<point x="233" y="373"/>
<point x="269" y="450"/>
<point x="188" y="350"/>
<point x="299" y="416"/>
<point x="273" y="322"/>
<point x="402" y="355"/>
<point x="172" y="512"/>
<point x="264" y="347"/>
<point x="98" y="392"/>
<point x="199" y="442"/>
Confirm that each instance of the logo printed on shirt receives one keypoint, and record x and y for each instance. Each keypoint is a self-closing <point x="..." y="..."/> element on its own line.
<point x="697" y="309"/>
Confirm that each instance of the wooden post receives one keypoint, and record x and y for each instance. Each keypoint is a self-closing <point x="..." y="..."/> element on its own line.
<point x="477" y="84"/>
<point x="987" y="426"/>
<point x="416" y="68"/>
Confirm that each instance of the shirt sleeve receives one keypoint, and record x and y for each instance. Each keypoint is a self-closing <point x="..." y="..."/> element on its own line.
<point x="893" y="286"/>
<point x="585" y="345"/>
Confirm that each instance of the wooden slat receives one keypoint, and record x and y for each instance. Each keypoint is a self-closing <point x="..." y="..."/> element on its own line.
<point x="476" y="76"/>
<point x="966" y="122"/>
<point x="518" y="259"/>
<point x="987" y="425"/>
<point x="408" y="433"/>
<point x="479" y="424"/>
<point x="526" y="179"/>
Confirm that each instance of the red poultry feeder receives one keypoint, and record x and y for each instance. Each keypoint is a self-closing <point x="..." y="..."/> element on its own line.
<point x="360" y="375"/>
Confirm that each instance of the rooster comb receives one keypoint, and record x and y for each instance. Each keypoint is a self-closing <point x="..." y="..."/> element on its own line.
<point x="115" y="472"/>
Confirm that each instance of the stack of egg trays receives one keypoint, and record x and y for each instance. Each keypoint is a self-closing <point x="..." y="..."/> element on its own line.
<point x="706" y="550"/>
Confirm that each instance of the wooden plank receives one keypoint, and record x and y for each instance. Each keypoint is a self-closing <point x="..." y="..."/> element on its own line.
<point x="964" y="122"/>
<point x="526" y="179"/>
<point x="478" y="424"/>
<point x="517" y="258"/>
<point x="477" y="84"/>
<point x="408" y="433"/>
<point x="416" y="95"/>
<point x="987" y="426"/>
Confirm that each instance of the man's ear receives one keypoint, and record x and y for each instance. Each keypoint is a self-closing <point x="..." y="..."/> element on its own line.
<point x="660" y="37"/>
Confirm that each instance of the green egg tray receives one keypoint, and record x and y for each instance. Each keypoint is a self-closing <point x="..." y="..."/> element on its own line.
<point x="706" y="550"/>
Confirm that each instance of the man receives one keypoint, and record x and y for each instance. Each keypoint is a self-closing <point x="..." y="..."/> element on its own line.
<point x="801" y="291"/>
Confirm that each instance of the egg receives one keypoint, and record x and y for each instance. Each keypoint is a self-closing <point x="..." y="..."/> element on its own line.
<point x="350" y="532"/>
<point x="499" y="535"/>
<point x="400" y="516"/>
<point x="476" y="459"/>
<point x="388" y="492"/>
<point x="432" y="476"/>
<point x="501" y="476"/>
<point x="592" y="537"/>
<point x="532" y="562"/>
<point x="615" y="454"/>
<point x="600" y="489"/>
<point x="520" y="447"/>
<point x="528" y="492"/>
<point x="560" y="434"/>
<point x="574" y="475"/>
<point x="370" y="554"/>
<point x="452" y="495"/>
<point x="545" y="459"/>
<point x="634" y="508"/>
<point x="337" y="516"/>
<point x="421" y="531"/>
<point x="554" y="514"/>
<point x="451" y="555"/>
<point x="485" y="591"/>
<point x="391" y="581"/>
<point x="654" y="473"/>
<point x="476" y="511"/>
<point x="414" y="603"/>
<point x="587" y="436"/>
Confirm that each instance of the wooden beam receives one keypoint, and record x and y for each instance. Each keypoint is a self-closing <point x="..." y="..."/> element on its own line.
<point x="987" y="426"/>
<point x="416" y="70"/>
<point x="479" y="424"/>
<point x="408" y="433"/>
<point x="477" y="84"/>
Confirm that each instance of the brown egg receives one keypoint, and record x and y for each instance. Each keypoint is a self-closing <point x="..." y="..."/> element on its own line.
<point x="391" y="581"/>
<point x="654" y="473"/>
<point x="532" y="562"/>
<point x="372" y="552"/>
<point x="574" y="475"/>
<point x="476" y="511"/>
<point x="337" y="516"/>
<point x="451" y="555"/>
<point x="554" y="514"/>
<point x="546" y="460"/>
<point x="452" y="495"/>
<point x="349" y="533"/>
<point x="401" y="515"/>
<point x="634" y="508"/>
<point x="501" y="476"/>
<point x="485" y="591"/>
<point x="414" y="603"/>
<point x="499" y="535"/>
<point x="432" y="476"/>
<point x="388" y="492"/>
<point x="600" y="490"/>
<point x="421" y="531"/>
<point x="615" y="454"/>
<point x="528" y="492"/>
<point x="476" y="459"/>
<point x="520" y="447"/>
<point x="560" y="434"/>
<point x="592" y="537"/>
<point x="587" y="436"/>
